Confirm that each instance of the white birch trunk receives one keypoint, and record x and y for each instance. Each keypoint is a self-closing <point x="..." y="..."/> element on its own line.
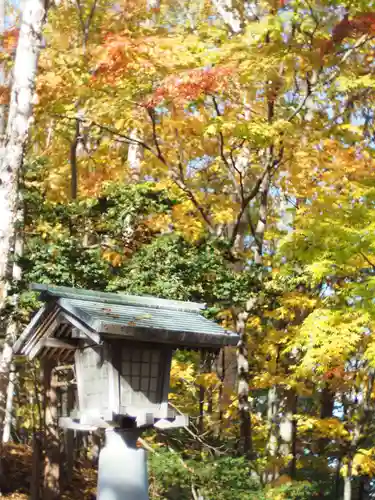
<point x="9" y="407"/>
<point x="135" y="157"/>
<point x="20" y="113"/>
<point x="11" y="333"/>
<point x="153" y="7"/>
<point x="347" y="488"/>
<point x="229" y="14"/>
<point x="19" y="117"/>
<point x="2" y="72"/>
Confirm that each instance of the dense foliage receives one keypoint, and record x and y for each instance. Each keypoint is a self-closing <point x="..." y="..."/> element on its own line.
<point x="223" y="152"/>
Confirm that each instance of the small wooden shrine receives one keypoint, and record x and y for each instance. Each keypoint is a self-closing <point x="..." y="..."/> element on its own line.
<point x="121" y="348"/>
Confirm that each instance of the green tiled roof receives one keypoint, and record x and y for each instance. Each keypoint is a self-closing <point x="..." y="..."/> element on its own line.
<point x="48" y="291"/>
<point x="130" y="317"/>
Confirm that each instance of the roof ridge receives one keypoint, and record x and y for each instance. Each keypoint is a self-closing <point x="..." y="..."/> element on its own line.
<point x="48" y="291"/>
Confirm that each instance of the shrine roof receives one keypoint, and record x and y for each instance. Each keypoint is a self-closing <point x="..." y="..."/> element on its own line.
<point x="129" y="317"/>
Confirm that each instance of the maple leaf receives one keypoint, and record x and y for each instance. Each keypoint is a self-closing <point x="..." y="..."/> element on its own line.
<point x="278" y="4"/>
<point x="360" y="24"/>
<point x="4" y="94"/>
<point x="120" y="53"/>
<point x="191" y="85"/>
<point x="10" y="39"/>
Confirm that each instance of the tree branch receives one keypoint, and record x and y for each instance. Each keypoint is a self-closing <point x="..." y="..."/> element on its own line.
<point x="372" y="264"/>
<point x="120" y="136"/>
<point x="269" y="170"/>
<point x="304" y="101"/>
<point x="181" y="184"/>
<point x="238" y="187"/>
<point x="151" y="114"/>
<point x="85" y="25"/>
<point x="73" y="160"/>
<point x="245" y="202"/>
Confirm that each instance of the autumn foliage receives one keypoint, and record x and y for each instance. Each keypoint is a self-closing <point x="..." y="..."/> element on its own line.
<point x="120" y="53"/>
<point x="351" y="27"/>
<point x="184" y="153"/>
<point x="10" y="39"/>
<point x="192" y="85"/>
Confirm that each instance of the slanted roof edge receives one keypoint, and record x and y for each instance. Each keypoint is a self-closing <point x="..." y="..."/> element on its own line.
<point x="165" y="336"/>
<point x="48" y="291"/>
<point x="29" y="328"/>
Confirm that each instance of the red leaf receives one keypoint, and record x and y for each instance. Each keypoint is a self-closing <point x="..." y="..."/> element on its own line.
<point x="190" y="86"/>
<point x="361" y="24"/>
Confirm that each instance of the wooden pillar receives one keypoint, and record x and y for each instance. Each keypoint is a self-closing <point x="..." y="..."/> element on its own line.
<point x="51" y="482"/>
<point x="201" y="393"/>
<point x="69" y="437"/>
<point x="36" y="467"/>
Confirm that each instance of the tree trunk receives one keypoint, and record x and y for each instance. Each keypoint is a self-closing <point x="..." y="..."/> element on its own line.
<point x="293" y="462"/>
<point x="229" y="14"/>
<point x="51" y="483"/>
<point x="3" y="106"/>
<point x="273" y="437"/>
<point x="243" y="385"/>
<point x="348" y="485"/>
<point x="20" y="112"/>
<point x="201" y="393"/>
<point x="11" y="333"/>
<point x="36" y="468"/>
<point x="288" y="431"/>
<point x="338" y="479"/>
<point x="73" y="159"/>
<point x="242" y="350"/>
<point x="326" y="411"/>
<point x="9" y="406"/>
<point x="135" y="157"/>
<point x="135" y="151"/>
<point x="364" y="486"/>
<point x="327" y="402"/>
<point x="262" y="219"/>
<point x="355" y="433"/>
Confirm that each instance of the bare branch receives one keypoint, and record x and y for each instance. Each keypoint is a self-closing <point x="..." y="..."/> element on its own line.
<point x="85" y="25"/>
<point x="245" y="202"/>
<point x="310" y="87"/>
<point x="80" y="16"/>
<point x="269" y="170"/>
<point x="127" y="139"/>
<point x="372" y="264"/>
<point x="151" y="114"/>
<point x="348" y="52"/>
<point x="196" y="436"/>
<point x="180" y="182"/>
<point x="232" y="164"/>
<point x="262" y="218"/>
<point x="304" y="101"/>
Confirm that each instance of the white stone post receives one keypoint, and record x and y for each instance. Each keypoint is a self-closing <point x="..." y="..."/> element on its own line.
<point x="122" y="471"/>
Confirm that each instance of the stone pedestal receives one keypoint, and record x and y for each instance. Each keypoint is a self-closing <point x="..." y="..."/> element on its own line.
<point x="122" y="471"/>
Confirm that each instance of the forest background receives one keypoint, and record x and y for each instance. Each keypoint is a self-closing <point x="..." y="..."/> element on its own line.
<point x="218" y="151"/>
